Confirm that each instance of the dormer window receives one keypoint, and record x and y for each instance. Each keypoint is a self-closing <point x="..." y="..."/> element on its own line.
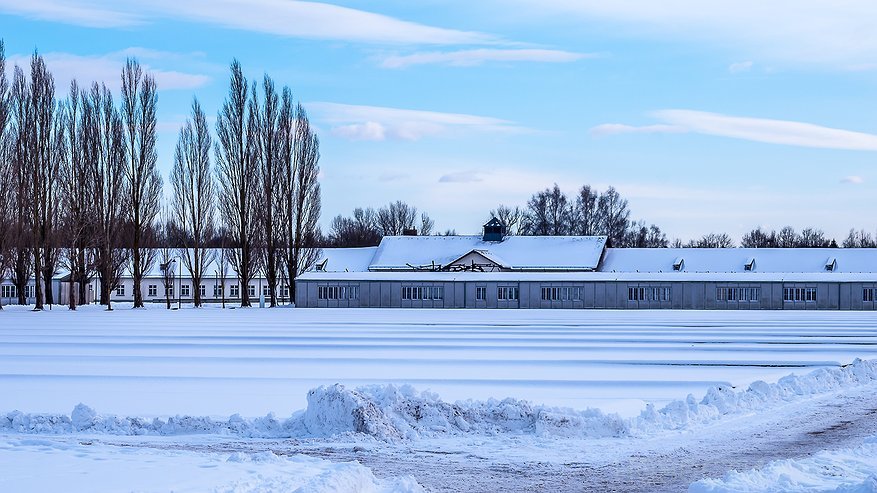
<point x="831" y="265"/>
<point x="494" y="230"/>
<point x="679" y="264"/>
<point x="321" y="266"/>
<point x="749" y="265"/>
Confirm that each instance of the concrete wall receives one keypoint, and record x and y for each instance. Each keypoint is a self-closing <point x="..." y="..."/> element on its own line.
<point x="611" y="294"/>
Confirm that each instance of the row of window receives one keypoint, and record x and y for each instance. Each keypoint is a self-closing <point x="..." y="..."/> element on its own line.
<point x="648" y="294"/>
<point x="868" y="294"/>
<point x="737" y="294"/>
<point x="423" y="292"/>
<point x="562" y="294"/>
<point x="799" y="294"/>
<point x="186" y="290"/>
<point x="338" y="292"/>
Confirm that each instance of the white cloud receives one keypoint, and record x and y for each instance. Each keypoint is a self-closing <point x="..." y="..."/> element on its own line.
<point x="461" y="177"/>
<point x="740" y="67"/>
<point x="356" y="122"/>
<point x="291" y="18"/>
<point x="107" y="69"/>
<point x="853" y="180"/>
<point x="804" y="31"/>
<point x="467" y="58"/>
<point x="71" y="12"/>
<point x="620" y="128"/>
<point x="769" y="131"/>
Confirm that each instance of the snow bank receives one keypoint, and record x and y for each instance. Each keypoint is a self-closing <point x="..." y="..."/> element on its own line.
<point x="841" y="471"/>
<point x="721" y="401"/>
<point x="391" y="413"/>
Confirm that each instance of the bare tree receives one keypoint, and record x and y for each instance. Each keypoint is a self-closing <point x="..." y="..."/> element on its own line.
<point x="397" y="217"/>
<point x="511" y="219"/>
<point x="612" y="216"/>
<point x="787" y="238"/>
<point x="6" y="175"/>
<point x="194" y="196"/>
<point x="548" y="213"/>
<point x="360" y="230"/>
<point x="105" y="150"/>
<point x="712" y="240"/>
<point x="139" y="100"/>
<point x="20" y="135"/>
<point x="585" y="217"/>
<point x="300" y="190"/>
<point x="270" y="134"/>
<point x="757" y="238"/>
<point x="238" y="174"/>
<point x="813" y="238"/>
<point x="167" y="257"/>
<point x="859" y="239"/>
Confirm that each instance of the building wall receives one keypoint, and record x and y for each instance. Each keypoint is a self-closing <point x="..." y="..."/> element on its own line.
<point x="599" y="294"/>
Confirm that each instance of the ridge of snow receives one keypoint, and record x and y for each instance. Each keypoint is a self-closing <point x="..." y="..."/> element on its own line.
<point x="394" y="413"/>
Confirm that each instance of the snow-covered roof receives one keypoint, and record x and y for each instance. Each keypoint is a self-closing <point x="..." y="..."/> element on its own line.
<point x="561" y="253"/>
<point x="346" y="259"/>
<point x="734" y="260"/>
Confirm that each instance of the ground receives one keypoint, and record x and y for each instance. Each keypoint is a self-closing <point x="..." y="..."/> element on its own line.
<point x="215" y="363"/>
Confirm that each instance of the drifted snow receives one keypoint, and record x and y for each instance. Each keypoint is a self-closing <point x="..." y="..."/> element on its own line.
<point x="392" y="413"/>
<point x="838" y="471"/>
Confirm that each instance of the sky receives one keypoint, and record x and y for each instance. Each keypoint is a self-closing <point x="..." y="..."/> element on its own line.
<point x="707" y="116"/>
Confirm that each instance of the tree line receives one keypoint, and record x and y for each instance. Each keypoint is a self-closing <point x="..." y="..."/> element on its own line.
<point x="81" y="189"/>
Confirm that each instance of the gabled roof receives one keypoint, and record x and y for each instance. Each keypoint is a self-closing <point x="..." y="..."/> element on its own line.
<point x="346" y="259"/>
<point x="538" y="253"/>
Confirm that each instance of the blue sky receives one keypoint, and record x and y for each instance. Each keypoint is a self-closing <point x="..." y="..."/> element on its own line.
<point x="708" y="117"/>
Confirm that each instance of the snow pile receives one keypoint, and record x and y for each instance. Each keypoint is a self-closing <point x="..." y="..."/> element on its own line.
<point x="721" y="401"/>
<point x="841" y="471"/>
<point x="391" y="413"/>
<point x="388" y="412"/>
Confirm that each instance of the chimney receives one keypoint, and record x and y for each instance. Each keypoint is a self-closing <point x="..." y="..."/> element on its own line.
<point x="409" y="232"/>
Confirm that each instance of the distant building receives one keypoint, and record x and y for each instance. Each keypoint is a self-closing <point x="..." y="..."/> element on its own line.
<point x="497" y="271"/>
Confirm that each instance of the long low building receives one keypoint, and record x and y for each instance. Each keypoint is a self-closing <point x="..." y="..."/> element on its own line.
<point x="497" y="271"/>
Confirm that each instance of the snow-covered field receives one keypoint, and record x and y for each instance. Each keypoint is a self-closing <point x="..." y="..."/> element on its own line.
<point x="205" y="385"/>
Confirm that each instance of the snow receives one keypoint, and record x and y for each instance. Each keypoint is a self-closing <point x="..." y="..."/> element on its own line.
<point x="346" y="259"/>
<point x="87" y="466"/>
<point x="733" y="260"/>
<point x="517" y="252"/>
<point x="224" y="400"/>
<point x="851" y="470"/>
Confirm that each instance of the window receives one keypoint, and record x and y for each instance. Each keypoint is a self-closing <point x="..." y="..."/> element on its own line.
<point x="120" y="290"/>
<point x="284" y="291"/>
<point x="797" y="295"/>
<point x="169" y="291"/>
<point x="252" y="289"/>
<point x="235" y="290"/>
<point x="417" y="293"/>
<point x="867" y="294"/>
<point x="638" y="293"/>
<point x="152" y="290"/>
<point x="217" y="290"/>
<point x="480" y="294"/>
<point x="338" y="292"/>
<point x="266" y="291"/>
<point x="202" y="289"/>
<point x="30" y="291"/>
<point x="185" y="290"/>
<point x="353" y="292"/>
<point x="507" y="293"/>
<point x="737" y="294"/>
<point x="8" y="291"/>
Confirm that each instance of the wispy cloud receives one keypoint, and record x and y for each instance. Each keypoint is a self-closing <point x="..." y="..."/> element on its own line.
<point x="468" y="58"/>
<point x="107" y="68"/>
<point x="853" y="180"/>
<point x="607" y="129"/>
<point x="806" y="31"/>
<point x="740" y="67"/>
<point x="769" y="131"/>
<point x="72" y="12"/>
<point x="356" y="122"/>
<point x="746" y="128"/>
<point x="461" y="177"/>
<point x="301" y="19"/>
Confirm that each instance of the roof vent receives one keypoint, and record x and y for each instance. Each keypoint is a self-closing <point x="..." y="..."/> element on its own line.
<point x="494" y="230"/>
<point x="679" y="263"/>
<point x="750" y="264"/>
<point x="321" y="266"/>
<point x="831" y="265"/>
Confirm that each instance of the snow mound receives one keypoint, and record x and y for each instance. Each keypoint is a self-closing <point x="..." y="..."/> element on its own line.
<point x="840" y="471"/>
<point x="353" y="477"/>
<point x="389" y="412"/>
<point x="722" y="400"/>
<point x="393" y="413"/>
